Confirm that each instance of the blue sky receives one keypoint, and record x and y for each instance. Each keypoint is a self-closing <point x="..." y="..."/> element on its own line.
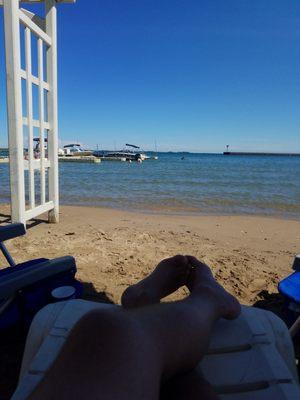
<point x="192" y="75"/>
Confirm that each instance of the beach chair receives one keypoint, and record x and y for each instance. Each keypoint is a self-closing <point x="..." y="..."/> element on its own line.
<point x="289" y="287"/>
<point x="250" y="358"/>
<point x="27" y="287"/>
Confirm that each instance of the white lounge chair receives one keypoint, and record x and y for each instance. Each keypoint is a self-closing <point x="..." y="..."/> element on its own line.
<point x="251" y="357"/>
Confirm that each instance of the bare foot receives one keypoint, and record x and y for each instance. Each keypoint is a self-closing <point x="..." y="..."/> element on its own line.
<point x="201" y="280"/>
<point x="169" y="275"/>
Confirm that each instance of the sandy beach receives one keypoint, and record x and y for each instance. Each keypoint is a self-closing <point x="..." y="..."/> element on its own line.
<point x="114" y="249"/>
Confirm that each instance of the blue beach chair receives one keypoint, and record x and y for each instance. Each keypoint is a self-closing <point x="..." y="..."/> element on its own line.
<point x="27" y="287"/>
<point x="289" y="287"/>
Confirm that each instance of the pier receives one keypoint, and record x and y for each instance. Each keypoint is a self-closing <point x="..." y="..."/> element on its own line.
<point x="35" y="163"/>
<point x="244" y="153"/>
<point x="82" y="159"/>
<point x="123" y="159"/>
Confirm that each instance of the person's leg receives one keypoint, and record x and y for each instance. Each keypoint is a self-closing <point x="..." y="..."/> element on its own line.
<point x="126" y="354"/>
<point x="189" y="386"/>
<point x="170" y="274"/>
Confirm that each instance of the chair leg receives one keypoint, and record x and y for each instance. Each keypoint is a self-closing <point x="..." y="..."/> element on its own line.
<point x="295" y="328"/>
<point x="7" y="255"/>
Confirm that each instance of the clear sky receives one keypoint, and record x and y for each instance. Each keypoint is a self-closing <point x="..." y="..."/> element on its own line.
<point x="192" y="75"/>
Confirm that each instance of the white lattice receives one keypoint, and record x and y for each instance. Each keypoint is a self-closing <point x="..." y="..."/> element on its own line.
<point x="44" y="164"/>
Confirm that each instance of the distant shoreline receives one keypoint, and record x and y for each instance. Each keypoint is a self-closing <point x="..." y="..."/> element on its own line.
<point x="246" y="153"/>
<point x="4" y="152"/>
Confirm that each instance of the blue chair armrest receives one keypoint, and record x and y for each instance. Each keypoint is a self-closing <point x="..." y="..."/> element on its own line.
<point x="290" y="287"/>
<point x="17" y="280"/>
<point x="11" y="231"/>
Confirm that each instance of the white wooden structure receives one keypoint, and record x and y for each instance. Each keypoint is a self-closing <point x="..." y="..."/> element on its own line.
<point x="37" y="174"/>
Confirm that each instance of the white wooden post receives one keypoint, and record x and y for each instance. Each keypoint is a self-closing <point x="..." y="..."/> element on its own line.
<point x="14" y="109"/>
<point x="41" y="120"/>
<point x="52" y="110"/>
<point x="29" y="115"/>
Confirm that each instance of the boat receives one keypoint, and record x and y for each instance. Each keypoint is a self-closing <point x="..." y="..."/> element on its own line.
<point x="76" y="149"/>
<point x="130" y="152"/>
<point x="155" y="156"/>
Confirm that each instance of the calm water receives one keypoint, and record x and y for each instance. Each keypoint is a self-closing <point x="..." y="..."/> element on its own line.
<point x="200" y="183"/>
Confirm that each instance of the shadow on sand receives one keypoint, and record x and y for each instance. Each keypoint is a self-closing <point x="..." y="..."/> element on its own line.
<point x="274" y="302"/>
<point x="90" y="293"/>
<point x="6" y="219"/>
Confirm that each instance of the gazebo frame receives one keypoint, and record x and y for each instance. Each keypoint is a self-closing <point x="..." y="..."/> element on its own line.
<point x="46" y="166"/>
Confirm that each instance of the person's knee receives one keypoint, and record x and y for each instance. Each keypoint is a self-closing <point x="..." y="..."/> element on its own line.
<point x="114" y="335"/>
<point x="101" y="322"/>
<point x="112" y="326"/>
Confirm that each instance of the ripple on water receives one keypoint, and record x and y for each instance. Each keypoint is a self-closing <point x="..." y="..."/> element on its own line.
<point x="200" y="183"/>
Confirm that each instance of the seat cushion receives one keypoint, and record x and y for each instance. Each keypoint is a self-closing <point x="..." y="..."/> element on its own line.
<point x="249" y="358"/>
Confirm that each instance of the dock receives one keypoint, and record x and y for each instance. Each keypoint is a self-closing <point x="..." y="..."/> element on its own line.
<point x="243" y="153"/>
<point x="83" y="159"/>
<point x="123" y="159"/>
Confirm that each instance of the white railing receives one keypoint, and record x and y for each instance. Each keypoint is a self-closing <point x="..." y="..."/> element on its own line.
<point x="46" y="166"/>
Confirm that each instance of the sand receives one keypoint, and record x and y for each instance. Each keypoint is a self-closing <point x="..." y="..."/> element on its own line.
<point x="113" y="249"/>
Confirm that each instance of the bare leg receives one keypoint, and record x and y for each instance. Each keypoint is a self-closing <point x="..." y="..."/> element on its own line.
<point x="189" y="386"/>
<point x="126" y="354"/>
<point x="169" y="275"/>
<point x="178" y="270"/>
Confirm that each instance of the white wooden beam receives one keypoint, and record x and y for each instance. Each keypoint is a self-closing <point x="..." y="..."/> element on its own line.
<point x="34" y="79"/>
<point x="42" y="1"/>
<point x="52" y="110"/>
<point x="14" y="109"/>
<point x="36" y="164"/>
<point x="40" y="22"/>
<point x="29" y="116"/>
<point x="34" y="28"/>
<point x="41" y="118"/>
<point x="29" y="214"/>
<point x="35" y="123"/>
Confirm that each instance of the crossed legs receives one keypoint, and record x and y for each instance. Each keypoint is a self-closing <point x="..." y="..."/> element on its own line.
<point x="131" y="352"/>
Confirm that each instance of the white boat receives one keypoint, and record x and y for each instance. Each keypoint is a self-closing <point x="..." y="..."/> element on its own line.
<point x="130" y="152"/>
<point x="76" y="149"/>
